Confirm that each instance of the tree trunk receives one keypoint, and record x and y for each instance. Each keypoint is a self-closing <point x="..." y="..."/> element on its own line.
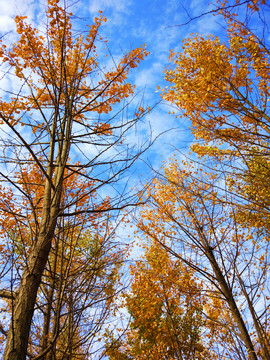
<point x="22" y="312"/>
<point x="49" y="306"/>
<point x="17" y="340"/>
<point x="232" y="305"/>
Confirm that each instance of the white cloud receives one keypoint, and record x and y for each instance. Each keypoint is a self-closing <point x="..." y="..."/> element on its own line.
<point x="150" y="76"/>
<point x="7" y="23"/>
<point x="210" y="26"/>
<point x="205" y="24"/>
<point x="112" y="5"/>
<point x="11" y="8"/>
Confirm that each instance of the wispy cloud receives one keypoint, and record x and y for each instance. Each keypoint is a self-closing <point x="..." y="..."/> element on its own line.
<point x="11" y="8"/>
<point x="112" y="5"/>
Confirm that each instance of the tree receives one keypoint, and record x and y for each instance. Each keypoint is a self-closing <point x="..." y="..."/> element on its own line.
<point x="223" y="88"/>
<point x="64" y="101"/>
<point x="76" y="300"/>
<point x="165" y="303"/>
<point x="76" y="295"/>
<point x="191" y="220"/>
<point x="214" y="216"/>
<point x="81" y="277"/>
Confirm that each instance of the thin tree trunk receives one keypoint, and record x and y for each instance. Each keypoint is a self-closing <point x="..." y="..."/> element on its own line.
<point x="22" y="313"/>
<point x="48" y="310"/>
<point x="262" y="338"/>
<point x="17" y="340"/>
<point x="232" y="305"/>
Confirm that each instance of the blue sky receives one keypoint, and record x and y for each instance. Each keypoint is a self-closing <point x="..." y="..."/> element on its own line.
<point x="152" y="22"/>
<point x="132" y="23"/>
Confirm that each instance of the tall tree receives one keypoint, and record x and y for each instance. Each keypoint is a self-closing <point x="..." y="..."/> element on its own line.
<point x="191" y="219"/>
<point x="76" y="295"/>
<point x="215" y="218"/>
<point x="61" y="109"/>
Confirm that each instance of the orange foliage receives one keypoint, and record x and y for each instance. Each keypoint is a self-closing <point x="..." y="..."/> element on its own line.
<point x="65" y="67"/>
<point x="223" y="87"/>
<point x="165" y="303"/>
